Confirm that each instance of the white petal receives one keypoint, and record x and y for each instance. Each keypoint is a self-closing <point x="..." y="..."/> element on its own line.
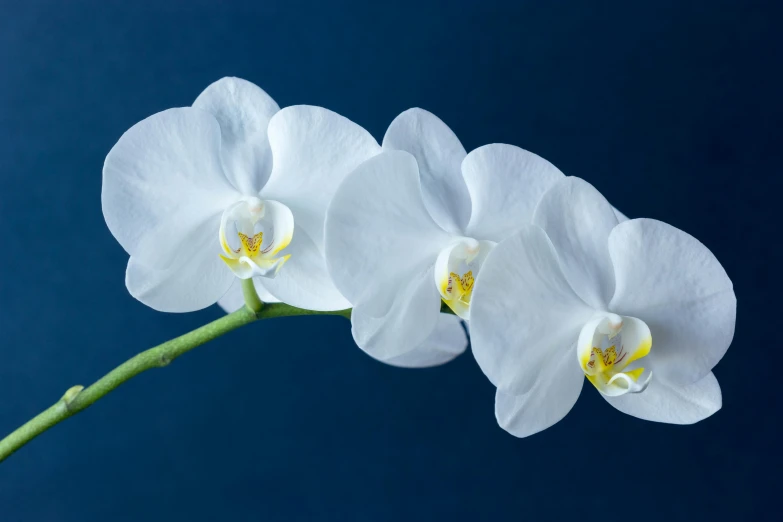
<point x="578" y="221"/>
<point x="524" y="314"/>
<point x="505" y="184"/>
<point x="163" y="180"/>
<point x="313" y="149"/>
<point x="304" y="281"/>
<point x="665" y="402"/>
<point x="233" y="300"/>
<point x="190" y="283"/>
<point x="446" y="342"/>
<point x="673" y="283"/>
<point x="410" y="320"/>
<point x="439" y="155"/>
<point x="546" y="403"/>
<point x="243" y="111"/>
<point x="378" y="230"/>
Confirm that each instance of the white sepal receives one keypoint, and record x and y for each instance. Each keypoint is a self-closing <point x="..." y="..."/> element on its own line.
<point x="578" y="221"/>
<point x="439" y="155"/>
<point x="666" y="402"/>
<point x="446" y="342"/>
<point x="243" y="110"/>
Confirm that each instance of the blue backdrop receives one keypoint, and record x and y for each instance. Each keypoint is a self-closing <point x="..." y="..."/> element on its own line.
<point x="673" y="111"/>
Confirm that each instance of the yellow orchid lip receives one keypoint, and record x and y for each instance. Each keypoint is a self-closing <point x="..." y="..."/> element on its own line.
<point x="456" y="268"/>
<point x="459" y="289"/>
<point x="251" y="245"/>
<point x="259" y="231"/>
<point x="608" y="345"/>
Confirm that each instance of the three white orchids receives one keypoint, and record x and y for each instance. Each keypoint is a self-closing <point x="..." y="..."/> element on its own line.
<point x="419" y="238"/>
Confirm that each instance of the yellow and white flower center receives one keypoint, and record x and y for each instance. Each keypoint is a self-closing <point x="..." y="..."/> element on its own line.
<point x="456" y="268"/>
<point x="252" y="234"/>
<point x="608" y="347"/>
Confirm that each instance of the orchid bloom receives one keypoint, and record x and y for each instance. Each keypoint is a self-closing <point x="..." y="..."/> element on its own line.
<point x="640" y="309"/>
<point x="411" y="227"/>
<point x="230" y="188"/>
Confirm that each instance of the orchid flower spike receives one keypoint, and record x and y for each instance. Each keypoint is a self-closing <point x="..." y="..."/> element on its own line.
<point x="232" y="187"/>
<point x="411" y="227"/>
<point x="641" y="309"/>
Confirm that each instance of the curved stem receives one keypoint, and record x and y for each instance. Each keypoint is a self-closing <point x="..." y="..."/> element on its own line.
<point x="79" y="398"/>
<point x="251" y="296"/>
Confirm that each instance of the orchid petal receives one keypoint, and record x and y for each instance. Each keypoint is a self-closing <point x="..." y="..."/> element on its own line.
<point x="675" y="284"/>
<point x="161" y="182"/>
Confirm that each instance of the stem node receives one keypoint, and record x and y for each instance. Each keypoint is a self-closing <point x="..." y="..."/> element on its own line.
<point x="70" y="395"/>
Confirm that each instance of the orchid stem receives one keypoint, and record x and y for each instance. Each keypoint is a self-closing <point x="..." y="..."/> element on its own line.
<point x="78" y="398"/>
<point x="251" y="296"/>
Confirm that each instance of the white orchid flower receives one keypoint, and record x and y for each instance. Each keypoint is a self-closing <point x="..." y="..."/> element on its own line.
<point x="640" y="308"/>
<point x="230" y="188"/>
<point x="411" y="227"/>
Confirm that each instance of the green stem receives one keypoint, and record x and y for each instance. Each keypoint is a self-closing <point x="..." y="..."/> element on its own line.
<point x="251" y="296"/>
<point x="79" y="398"/>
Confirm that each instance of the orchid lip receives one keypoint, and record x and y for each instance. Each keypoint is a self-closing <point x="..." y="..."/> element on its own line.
<point x="608" y="347"/>
<point x="456" y="269"/>
<point x="252" y="234"/>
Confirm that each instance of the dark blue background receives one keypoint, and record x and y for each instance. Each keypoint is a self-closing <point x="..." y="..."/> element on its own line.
<point x="672" y="111"/>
